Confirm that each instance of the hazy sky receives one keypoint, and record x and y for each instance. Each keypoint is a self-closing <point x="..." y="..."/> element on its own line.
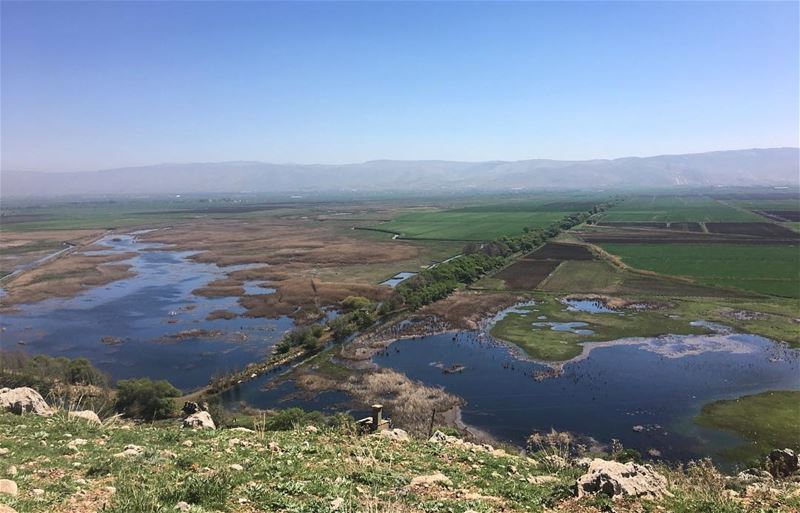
<point x="107" y="84"/>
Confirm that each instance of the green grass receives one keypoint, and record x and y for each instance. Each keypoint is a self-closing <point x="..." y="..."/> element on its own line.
<point x="768" y="420"/>
<point x="306" y="474"/>
<point x="467" y="226"/>
<point x="545" y="344"/>
<point x="296" y="471"/>
<point x="677" y="209"/>
<point x="758" y="268"/>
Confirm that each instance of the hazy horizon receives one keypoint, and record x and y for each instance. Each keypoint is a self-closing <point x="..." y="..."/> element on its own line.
<point x="409" y="160"/>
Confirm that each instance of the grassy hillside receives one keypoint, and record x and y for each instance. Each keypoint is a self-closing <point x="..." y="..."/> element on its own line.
<point x="65" y="465"/>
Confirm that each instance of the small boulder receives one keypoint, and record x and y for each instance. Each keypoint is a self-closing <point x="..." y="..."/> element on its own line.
<point x="199" y="420"/>
<point x="87" y="415"/>
<point x="616" y="479"/>
<point x="8" y="487"/>
<point x="130" y="451"/>
<point x="24" y="400"/>
<point x="782" y="463"/>
<point x="7" y="509"/>
<point x="396" y="434"/>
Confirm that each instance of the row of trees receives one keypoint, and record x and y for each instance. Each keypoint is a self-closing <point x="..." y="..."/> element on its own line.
<point x="357" y="313"/>
<point x="479" y="259"/>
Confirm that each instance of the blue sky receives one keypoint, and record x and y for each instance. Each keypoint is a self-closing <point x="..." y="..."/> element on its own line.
<point x="101" y="84"/>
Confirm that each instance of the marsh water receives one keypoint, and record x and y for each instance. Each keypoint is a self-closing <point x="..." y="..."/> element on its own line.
<point x="147" y="325"/>
<point x="659" y="384"/>
<point x="152" y="325"/>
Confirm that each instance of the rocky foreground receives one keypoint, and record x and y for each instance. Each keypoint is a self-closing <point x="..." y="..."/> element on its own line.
<point x="60" y="462"/>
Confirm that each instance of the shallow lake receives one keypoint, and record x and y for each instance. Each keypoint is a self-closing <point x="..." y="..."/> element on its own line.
<point x="137" y="316"/>
<point x="659" y="384"/>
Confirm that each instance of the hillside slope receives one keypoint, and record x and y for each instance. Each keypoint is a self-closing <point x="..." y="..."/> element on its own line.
<point x="66" y="465"/>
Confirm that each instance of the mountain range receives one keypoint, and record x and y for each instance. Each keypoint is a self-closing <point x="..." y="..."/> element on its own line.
<point x="771" y="167"/>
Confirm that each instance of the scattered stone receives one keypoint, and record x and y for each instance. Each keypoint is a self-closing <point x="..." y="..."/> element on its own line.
<point x="236" y="467"/>
<point x="782" y="463"/>
<point x="242" y="429"/>
<point x="130" y="451"/>
<point x="337" y="503"/>
<point x="440" y="438"/>
<point x="3" y="451"/>
<point x="638" y="428"/>
<point x="616" y="479"/>
<point x="8" y="487"/>
<point x="311" y="429"/>
<point x="199" y="420"/>
<point x="24" y="400"/>
<point x="75" y="443"/>
<point x="274" y="447"/>
<point x="182" y="506"/>
<point x="187" y="443"/>
<point x="12" y="471"/>
<point x="37" y="492"/>
<point x="87" y="415"/>
<point x="754" y="474"/>
<point x="7" y="509"/>
<point x="431" y="479"/>
<point x="396" y="434"/>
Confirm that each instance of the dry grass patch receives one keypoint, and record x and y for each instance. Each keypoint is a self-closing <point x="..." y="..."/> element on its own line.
<point x="465" y="309"/>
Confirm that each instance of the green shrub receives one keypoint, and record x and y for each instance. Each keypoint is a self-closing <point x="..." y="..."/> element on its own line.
<point x="290" y="418"/>
<point x="146" y="399"/>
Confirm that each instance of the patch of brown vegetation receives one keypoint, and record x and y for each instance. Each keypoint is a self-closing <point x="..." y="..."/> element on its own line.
<point x="65" y="277"/>
<point x="410" y="404"/>
<point x="294" y="252"/>
<point x="224" y="287"/>
<point x="465" y="309"/>
<point x="277" y="242"/>
<point x="308" y="295"/>
<point x="95" y="499"/>
<point x="221" y="314"/>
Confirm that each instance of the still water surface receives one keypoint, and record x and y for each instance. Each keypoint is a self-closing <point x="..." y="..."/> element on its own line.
<point x="136" y="316"/>
<point x="656" y="383"/>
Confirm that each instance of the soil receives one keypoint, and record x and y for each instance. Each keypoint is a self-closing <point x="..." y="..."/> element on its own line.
<point x="527" y="274"/>
<point x="768" y="230"/>
<point x="556" y="251"/>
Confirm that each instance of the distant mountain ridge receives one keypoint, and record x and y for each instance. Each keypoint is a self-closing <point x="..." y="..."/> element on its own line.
<point x="772" y="166"/>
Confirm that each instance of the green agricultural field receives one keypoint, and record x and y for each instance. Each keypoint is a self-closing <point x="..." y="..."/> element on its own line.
<point x="467" y="226"/>
<point x="766" y="420"/>
<point x="677" y="209"/>
<point x="764" y="269"/>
